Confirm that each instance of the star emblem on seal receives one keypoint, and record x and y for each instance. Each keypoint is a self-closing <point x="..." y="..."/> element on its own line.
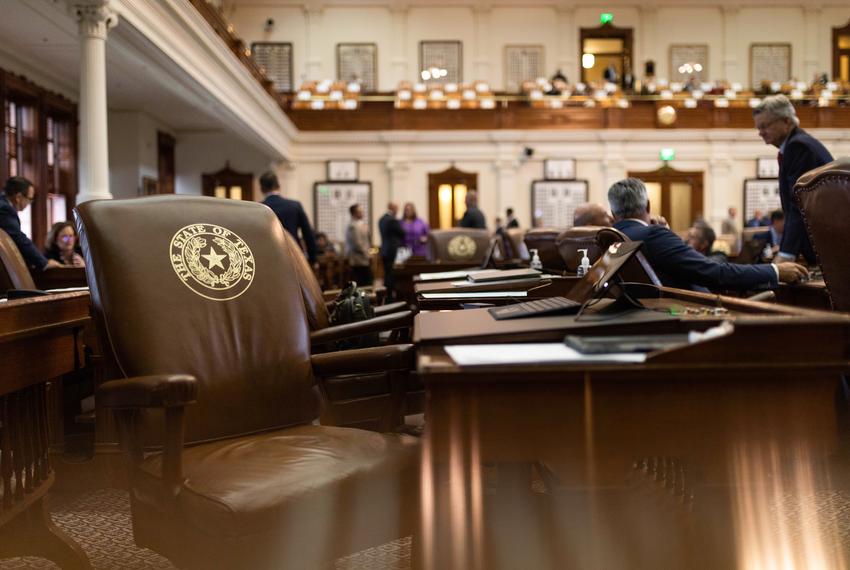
<point x="461" y="247"/>
<point x="212" y="261"/>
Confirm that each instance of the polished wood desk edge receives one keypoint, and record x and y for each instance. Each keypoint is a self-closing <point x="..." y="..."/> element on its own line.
<point x="434" y="364"/>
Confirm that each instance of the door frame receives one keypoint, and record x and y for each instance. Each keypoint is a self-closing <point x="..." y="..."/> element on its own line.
<point x="666" y="175"/>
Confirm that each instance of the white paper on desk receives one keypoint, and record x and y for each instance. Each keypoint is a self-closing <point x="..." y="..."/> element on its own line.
<point x="474" y="294"/>
<point x="460" y="274"/>
<point x="482" y="354"/>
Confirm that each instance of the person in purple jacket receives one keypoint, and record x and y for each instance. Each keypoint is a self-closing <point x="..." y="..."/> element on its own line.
<point x="415" y="231"/>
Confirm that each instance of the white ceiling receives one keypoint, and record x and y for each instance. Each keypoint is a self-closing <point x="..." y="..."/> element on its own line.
<point x="41" y="36"/>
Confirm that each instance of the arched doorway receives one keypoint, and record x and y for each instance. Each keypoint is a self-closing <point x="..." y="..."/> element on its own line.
<point x="675" y="194"/>
<point x="228" y="183"/>
<point x="446" y="196"/>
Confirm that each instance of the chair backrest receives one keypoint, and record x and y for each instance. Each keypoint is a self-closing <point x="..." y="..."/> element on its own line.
<point x="575" y="238"/>
<point x="14" y="273"/>
<point x="543" y="240"/>
<point x="458" y="245"/>
<point x="823" y="194"/>
<point x="212" y="293"/>
<point x="606" y="236"/>
<point x="311" y="291"/>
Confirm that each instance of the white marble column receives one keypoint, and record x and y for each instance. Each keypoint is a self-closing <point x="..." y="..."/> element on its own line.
<point x="506" y="181"/>
<point x="730" y="46"/>
<point x="288" y="177"/>
<point x="811" y="63"/>
<point x="95" y="19"/>
<point x="481" y="62"/>
<point x="568" y="47"/>
<point x="399" y="174"/>
<point x="313" y="19"/>
<point x="722" y="193"/>
<point x="398" y="63"/>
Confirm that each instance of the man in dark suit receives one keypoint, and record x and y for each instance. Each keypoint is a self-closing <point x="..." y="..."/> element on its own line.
<point x="510" y="219"/>
<point x="472" y="218"/>
<point x="18" y="193"/>
<point x="392" y="236"/>
<point x="799" y="152"/>
<point x="289" y="212"/>
<point x="676" y="263"/>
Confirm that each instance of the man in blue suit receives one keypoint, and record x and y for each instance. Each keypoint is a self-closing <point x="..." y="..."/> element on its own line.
<point x="675" y="262"/>
<point x="289" y="212"/>
<point x="392" y="237"/>
<point x="18" y="193"/>
<point x="799" y="152"/>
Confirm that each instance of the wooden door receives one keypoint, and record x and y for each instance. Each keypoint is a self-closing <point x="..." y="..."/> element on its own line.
<point x="609" y="45"/>
<point x="677" y="195"/>
<point x="446" y="194"/>
<point x="228" y="183"/>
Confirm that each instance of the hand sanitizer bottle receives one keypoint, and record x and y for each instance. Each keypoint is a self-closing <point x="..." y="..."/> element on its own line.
<point x="583" y="267"/>
<point x="535" y="260"/>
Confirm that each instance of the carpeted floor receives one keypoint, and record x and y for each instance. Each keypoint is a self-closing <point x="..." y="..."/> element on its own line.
<point x="100" y="522"/>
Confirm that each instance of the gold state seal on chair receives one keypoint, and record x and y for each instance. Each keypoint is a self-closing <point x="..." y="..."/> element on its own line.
<point x="461" y="247"/>
<point x="212" y="261"/>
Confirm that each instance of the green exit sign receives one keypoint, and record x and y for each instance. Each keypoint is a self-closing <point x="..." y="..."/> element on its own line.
<point x="667" y="154"/>
<point x="606" y="18"/>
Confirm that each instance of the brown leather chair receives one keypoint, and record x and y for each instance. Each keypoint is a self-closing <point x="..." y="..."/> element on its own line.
<point x="14" y="273"/>
<point x="372" y="401"/>
<point x="459" y="245"/>
<point x="571" y="240"/>
<point x="543" y="240"/>
<point x="823" y="195"/>
<point x="210" y="313"/>
<point x="606" y="236"/>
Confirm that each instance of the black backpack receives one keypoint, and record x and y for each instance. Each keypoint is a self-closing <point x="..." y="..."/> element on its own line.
<point x="353" y="305"/>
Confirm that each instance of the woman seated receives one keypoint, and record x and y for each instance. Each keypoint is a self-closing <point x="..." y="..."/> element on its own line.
<point x="62" y="245"/>
<point x="415" y="231"/>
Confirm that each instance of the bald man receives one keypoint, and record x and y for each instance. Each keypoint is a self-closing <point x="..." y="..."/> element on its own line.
<point x="591" y="214"/>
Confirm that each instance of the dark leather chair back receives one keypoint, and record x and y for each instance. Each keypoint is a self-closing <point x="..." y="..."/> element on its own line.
<point x="824" y="195"/>
<point x="211" y="294"/>
<point x="14" y="273"/>
<point x="543" y="240"/>
<point x="459" y="245"/>
<point x="311" y="291"/>
<point x="606" y="236"/>
<point x="575" y="238"/>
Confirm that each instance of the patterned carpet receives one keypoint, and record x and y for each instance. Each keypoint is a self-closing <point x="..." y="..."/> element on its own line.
<point x="100" y="522"/>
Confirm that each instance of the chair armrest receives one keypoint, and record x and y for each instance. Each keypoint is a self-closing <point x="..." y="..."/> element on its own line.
<point x="128" y="397"/>
<point x="365" y="360"/>
<point x="158" y="391"/>
<point x="392" y="321"/>
<point x="375" y="292"/>
<point x="391" y="308"/>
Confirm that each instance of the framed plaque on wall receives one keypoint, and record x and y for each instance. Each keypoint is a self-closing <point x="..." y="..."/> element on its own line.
<point x="559" y="169"/>
<point x="688" y="55"/>
<point x="760" y="194"/>
<point x="343" y="170"/>
<point x="446" y="55"/>
<point x="331" y="202"/>
<point x="358" y="62"/>
<point x="769" y="62"/>
<point x="553" y="202"/>
<point x="522" y="63"/>
<point x="767" y="167"/>
<point x="276" y="59"/>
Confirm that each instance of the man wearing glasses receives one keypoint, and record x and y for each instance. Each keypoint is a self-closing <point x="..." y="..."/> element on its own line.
<point x="799" y="152"/>
<point x="18" y="192"/>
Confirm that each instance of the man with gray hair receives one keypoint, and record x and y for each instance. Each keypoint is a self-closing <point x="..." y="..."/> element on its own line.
<point x="799" y="152"/>
<point x="676" y="263"/>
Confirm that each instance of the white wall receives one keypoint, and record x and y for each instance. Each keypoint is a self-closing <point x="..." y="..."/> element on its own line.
<point x="485" y="29"/>
<point x="397" y="164"/>
<point x="200" y="153"/>
<point x="132" y="150"/>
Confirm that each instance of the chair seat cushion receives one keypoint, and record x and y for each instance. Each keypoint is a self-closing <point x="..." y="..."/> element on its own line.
<point x="285" y="478"/>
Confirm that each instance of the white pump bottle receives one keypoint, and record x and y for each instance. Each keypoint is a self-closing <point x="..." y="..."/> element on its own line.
<point x="584" y="266"/>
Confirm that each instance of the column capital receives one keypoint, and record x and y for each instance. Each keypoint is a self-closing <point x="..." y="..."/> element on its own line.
<point x="565" y="9"/>
<point x="313" y="9"/>
<point x="730" y="10"/>
<point x="95" y="17"/>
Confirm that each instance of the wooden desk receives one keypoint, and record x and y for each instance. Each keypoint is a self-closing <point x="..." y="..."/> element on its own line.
<point x="40" y="340"/>
<point x="60" y="278"/>
<point x="405" y="272"/>
<point x="810" y="294"/>
<point x="675" y="463"/>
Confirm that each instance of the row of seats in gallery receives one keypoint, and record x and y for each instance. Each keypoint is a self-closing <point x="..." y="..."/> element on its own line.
<point x="218" y="379"/>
